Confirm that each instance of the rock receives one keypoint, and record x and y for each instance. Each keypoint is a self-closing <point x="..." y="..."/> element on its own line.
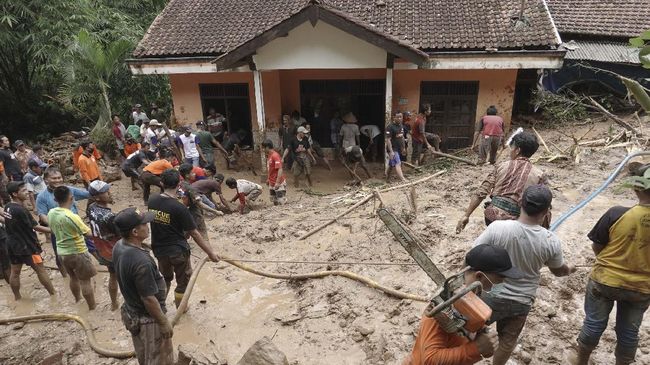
<point x="189" y="354"/>
<point x="53" y="359"/>
<point x="18" y="326"/>
<point x="263" y="352"/>
<point x="357" y="337"/>
<point x="112" y="173"/>
<point x="526" y="357"/>
<point x="364" y="330"/>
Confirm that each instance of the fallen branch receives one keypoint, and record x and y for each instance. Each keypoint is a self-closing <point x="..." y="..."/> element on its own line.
<point x="366" y="199"/>
<point x="616" y="119"/>
<point x="539" y="136"/>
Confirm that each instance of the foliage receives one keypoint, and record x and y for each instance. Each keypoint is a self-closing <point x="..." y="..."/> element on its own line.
<point x="643" y="42"/>
<point x="638" y="182"/>
<point x="560" y="108"/>
<point x="38" y="40"/>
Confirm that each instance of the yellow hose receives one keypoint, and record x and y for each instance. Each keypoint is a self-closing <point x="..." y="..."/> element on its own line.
<point x="122" y="354"/>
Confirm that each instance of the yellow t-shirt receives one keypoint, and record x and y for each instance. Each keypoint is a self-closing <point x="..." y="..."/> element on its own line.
<point x="625" y="260"/>
<point x="69" y="230"/>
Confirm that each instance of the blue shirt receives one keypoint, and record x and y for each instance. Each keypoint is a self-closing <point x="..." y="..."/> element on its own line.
<point x="45" y="200"/>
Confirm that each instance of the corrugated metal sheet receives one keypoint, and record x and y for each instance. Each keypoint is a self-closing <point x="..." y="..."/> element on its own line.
<point x="601" y="51"/>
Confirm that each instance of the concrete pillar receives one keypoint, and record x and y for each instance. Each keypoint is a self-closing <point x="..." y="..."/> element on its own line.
<point x="389" y="96"/>
<point x="261" y="121"/>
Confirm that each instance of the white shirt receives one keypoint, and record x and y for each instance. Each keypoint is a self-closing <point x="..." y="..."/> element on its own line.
<point x="349" y="131"/>
<point x="149" y="136"/>
<point x="189" y="145"/>
<point x="139" y="116"/>
<point x="371" y="131"/>
<point x="245" y="186"/>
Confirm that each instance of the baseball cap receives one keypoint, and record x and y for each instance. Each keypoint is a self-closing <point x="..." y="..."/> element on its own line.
<point x="130" y="218"/>
<point x="14" y="186"/>
<point x="34" y="163"/>
<point x="302" y="130"/>
<point x="155" y="122"/>
<point x="138" y="105"/>
<point x="536" y="198"/>
<point x="492" y="259"/>
<point x="97" y="187"/>
<point x="19" y="143"/>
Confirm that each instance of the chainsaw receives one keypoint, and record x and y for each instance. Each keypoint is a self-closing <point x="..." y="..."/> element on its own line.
<point x="455" y="306"/>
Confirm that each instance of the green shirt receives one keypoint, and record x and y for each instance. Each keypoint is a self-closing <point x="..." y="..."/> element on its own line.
<point x="134" y="131"/>
<point x="205" y="141"/>
<point x="69" y="230"/>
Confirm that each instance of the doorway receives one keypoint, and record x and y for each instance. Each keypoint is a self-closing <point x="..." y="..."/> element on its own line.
<point x="453" y="111"/>
<point x="233" y="102"/>
<point x="321" y="99"/>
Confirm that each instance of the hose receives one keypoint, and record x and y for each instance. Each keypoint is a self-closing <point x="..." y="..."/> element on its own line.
<point x="182" y="307"/>
<point x="591" y="196"/>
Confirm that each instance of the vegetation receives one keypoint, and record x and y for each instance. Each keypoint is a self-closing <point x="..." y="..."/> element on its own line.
<point x="62" y="63"/>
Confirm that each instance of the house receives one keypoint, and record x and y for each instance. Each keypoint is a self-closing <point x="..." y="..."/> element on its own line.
<point x="254" y="60"/>
<point x="596" y="36"/>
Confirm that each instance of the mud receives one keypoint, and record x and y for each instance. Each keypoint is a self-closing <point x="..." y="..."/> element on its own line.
<point x="334" y="320"/>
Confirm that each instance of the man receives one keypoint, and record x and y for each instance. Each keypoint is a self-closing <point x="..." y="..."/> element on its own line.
<point x="300" y="151"/>
<point x="69" y="230"/>
<point x="207" y="187"/>
<point x="119" y="132"/>
<point x="24" y="248"/>
<point x="45" y="202"/>
<point x="5" y="262"/>
<point x="143" y="289"/>
<point x="133" y="162"/>
<point x="296" y="119"/>
<point x="393" y="144"/>
<point x="530" y="247"/>
<point x="419" y="136"/>
<point x="246" y="192"/>
<point x="169" y="229"/>
<point x="232" y="145"/>
<point x="316" y="149"/>
<point x="131" y="146"/>
<point x="207" y="143"/>
<point x="149" y="134"/>
<point x="191" y="173"/>
<point x="88" y="168"/>
<point x="158" y="113"/>
<point x="194" y="203"/>
<point x="354" y="158"/>
<point x="216" y="123"/>
<point x="151" y="175"/>
<point x="133" y="131"/>
<point x="349" y="134"/>
<point x="371" y="132"/>
<point x="507" y="182"/>
<point x="287" y="133"/>
<point x="189" y="146"/>
<point x="38" y="155"/>
<point x="335" y="128"/>
<point x="139" y="117"/>
<point x="433" y="345"/>
<point x="490" y="129"/>
<point x="275" y="180"/>
<point x="620" y="275"/>
<point x="34" y="182"/>
<point x="8" y="158"/>
<point x="103" y="233"/>
<point x="23" y="154"/>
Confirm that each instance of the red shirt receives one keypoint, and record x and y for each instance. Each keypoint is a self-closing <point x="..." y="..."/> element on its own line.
<point x="492" y="125"/>
<point x="273" y="165"/>
<point x="417" y="129"/>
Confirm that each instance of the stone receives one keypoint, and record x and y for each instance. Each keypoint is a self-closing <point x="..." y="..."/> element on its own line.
<point x="364" y="330"/>
<point x="263" y="352"/>
<point x="189" y="354"/>
<point x="53" y="359"/>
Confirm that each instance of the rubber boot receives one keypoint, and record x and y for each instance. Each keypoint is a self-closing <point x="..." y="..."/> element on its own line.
<point x="581" y="356"/>
<point x="178" y="297"/>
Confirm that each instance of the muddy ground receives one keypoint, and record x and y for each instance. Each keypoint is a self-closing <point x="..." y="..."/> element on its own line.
<point x="335" y="320"/>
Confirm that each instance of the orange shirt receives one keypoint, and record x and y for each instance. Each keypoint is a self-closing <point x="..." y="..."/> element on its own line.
<point x="158" y="167"/>
<point x="130" y="148"/>
<point x="78" y="152"/>
<point x="434" y="346"/>
<point x="88" y="168"/>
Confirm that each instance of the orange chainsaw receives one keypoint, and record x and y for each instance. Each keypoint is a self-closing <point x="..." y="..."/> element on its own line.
<point x="456" y="307"/>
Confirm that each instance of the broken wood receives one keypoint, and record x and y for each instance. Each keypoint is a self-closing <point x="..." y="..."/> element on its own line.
<point x="442" y="154"/>
<point x="366" y="199"/>
<point x="382" y="203"/>
<point x="539" y="136"/>
<point x="616" y="119"/>
<point x="411" y="165"/>
<point x="352" y="173"/>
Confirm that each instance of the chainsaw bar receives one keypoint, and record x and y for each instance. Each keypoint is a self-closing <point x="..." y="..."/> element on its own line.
<point x="411" y="244"/>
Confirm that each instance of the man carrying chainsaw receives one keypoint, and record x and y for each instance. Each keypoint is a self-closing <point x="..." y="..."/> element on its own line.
<point x="530" y="247"/>
<point x="434" y="345"/>
<point x="506" y="183"/>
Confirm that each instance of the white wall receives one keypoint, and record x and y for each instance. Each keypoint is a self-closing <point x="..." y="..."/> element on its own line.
<point x="319" y="47"/>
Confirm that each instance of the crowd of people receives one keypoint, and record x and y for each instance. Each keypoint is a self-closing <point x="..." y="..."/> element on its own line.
<point x="506" y="258"/>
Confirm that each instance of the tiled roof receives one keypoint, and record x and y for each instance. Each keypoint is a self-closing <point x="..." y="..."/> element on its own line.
<point x="601" y="51"/>
<point x="214" y="27"/>
<point x="613" y="18"/>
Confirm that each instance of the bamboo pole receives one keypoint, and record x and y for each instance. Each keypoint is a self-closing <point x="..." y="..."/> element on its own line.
<point x="442" y="154"/>
<point x="366" y="199"/>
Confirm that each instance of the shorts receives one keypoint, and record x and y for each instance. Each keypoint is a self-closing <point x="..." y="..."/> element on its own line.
<point x="179" y="265"/>
<point x="79" y="265"/>
<point x="29" y="260"/>
<point x="395" y="161"/>
<point x="254" y="194"/>
<point x="5" y="261"/>
<point x="301" y="165"/>
<point x="418" y="148"/>
<point x="279" y="195"/>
